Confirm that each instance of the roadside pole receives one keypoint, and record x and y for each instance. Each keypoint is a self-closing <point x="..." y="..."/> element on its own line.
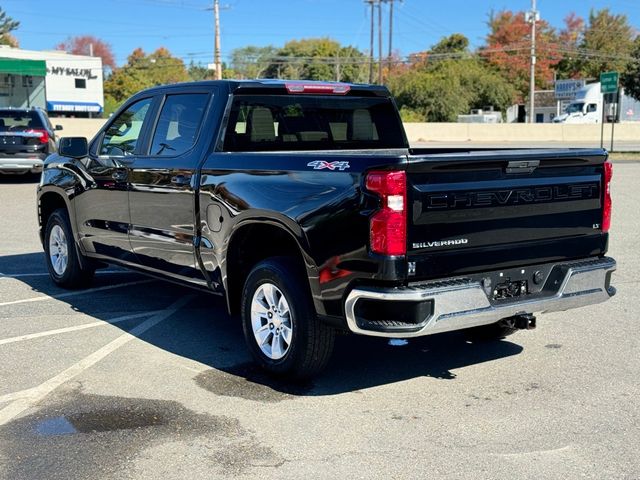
<point x="615" y="116"/>
<point x="602" y="122"/>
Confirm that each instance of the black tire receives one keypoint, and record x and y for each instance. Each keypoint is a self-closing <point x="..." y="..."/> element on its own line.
<point x="311" y="340"/>
<point x="77" y="273"/>
<point x="492" y="332"/>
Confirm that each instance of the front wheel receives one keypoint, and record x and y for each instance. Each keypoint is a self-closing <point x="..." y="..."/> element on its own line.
<point x="279" y="322"/>
<point x="62" y="258"/>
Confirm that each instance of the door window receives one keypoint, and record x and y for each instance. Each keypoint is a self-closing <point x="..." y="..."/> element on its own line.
<point x="178" y="124"/>
<point x="121" y="138"/>
<point x="592" y="107"/>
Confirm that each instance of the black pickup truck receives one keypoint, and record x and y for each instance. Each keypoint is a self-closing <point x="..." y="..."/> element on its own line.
<point x="304" y="206"/>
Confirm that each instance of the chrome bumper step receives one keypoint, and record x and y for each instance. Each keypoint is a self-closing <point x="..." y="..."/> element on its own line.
<point x="460" y="303"/>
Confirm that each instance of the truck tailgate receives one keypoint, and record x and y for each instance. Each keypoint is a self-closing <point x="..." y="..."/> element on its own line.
<point x="486" y="210"/>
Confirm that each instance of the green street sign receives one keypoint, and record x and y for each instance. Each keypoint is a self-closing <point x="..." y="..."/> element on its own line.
<point x="609" y="82"/>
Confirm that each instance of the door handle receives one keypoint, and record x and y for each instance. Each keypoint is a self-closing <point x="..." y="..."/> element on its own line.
<point x="181" y="180"/>
<point x="119" y="175"/>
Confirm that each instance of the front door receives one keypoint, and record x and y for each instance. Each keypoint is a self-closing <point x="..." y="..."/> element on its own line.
<point x="162" y="186"/>
<point x="102" y="210"/>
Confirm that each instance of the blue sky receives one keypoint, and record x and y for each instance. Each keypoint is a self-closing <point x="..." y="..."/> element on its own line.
<point x="185" y="27"/>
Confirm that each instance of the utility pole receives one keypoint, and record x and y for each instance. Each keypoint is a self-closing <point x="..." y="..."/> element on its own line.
<point x="532" y="17"/>
<point x="216" y="46"/>
<point x="390" y="33"/>
<point x="372" y="3"/>
<point x="380" y="80"/>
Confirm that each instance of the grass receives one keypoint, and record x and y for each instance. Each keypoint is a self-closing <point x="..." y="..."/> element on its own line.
<point x="624" y="156"/>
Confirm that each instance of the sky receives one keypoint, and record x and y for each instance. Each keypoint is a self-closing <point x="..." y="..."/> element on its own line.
<point x="185" y="27"/>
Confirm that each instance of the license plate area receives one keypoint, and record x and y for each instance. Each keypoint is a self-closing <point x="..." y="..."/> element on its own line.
<point x="509" y="289"/>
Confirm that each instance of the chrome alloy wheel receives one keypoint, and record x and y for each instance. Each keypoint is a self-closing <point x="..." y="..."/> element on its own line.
<point x="58" y="250"/>
<point x="271" y="321"/>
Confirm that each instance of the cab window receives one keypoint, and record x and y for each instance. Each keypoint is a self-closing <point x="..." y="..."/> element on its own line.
<point x="179" y="123"/>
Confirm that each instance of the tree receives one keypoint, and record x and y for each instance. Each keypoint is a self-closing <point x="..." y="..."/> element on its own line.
<point x="454" y="43"/>
<point x="508" y="49"/>
<point x="318" y="59"/>
<point x="569" y="44"/>
<point x="441" y="90"/>
<point x="606" y="44"/>
<point x="82" y="45"/>
<point x="143" y="71"/>
<point x="251" y="61"/>
<point x="631" y="78"/>
<point x="197" y="72"/>
<point x="7" y="25"/>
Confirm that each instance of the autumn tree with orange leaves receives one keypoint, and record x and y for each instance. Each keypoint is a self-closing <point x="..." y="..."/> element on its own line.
<point x="85" y="44"/>
<point x="508" y="49"/>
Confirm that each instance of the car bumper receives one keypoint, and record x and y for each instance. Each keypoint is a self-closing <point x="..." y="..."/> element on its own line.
<point x="460" y="303"/>
<point x="23" y="164"/>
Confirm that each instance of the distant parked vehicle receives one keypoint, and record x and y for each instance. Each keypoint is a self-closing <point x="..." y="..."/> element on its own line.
<point x="26" y="139"/>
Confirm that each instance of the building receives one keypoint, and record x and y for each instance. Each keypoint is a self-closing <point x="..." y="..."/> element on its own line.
<point x="61" y="84"/>
<point x="546" y="106"/>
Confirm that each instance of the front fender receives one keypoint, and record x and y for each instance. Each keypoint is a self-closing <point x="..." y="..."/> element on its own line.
<point x="62" y="180"/>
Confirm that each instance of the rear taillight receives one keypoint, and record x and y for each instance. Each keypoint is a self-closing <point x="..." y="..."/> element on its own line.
<point x="606" y="204"/>
<point x="42" y="135"/>
<point x="388" y="226"/>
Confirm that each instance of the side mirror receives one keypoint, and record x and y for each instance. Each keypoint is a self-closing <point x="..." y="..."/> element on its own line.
<point x="59" y="127"/>
<point x="73" y="147"/>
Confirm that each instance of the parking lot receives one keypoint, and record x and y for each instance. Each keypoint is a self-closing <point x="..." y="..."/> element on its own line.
<point x="138" y="378"/>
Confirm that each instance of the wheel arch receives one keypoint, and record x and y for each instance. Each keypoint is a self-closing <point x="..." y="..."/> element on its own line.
<point x="254" y="241"/>
<point x="51" y="199"/>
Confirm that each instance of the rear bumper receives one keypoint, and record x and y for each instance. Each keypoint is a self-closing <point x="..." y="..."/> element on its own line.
<point x="21" y="163"/>
<point x="456" y="304"/>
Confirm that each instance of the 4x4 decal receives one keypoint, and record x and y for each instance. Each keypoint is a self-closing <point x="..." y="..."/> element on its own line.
<point x="321" y="164"/>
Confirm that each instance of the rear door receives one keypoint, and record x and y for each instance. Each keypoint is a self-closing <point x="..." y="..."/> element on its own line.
<point x="479" y="211"/>
<point x="161" y="183"/>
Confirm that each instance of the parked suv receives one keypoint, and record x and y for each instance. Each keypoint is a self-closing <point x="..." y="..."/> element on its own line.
<point x="26" y="138"/>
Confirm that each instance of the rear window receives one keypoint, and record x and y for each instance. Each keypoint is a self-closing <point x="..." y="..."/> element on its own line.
<point x="289" y="122"/>
<point x="16" y="121"/>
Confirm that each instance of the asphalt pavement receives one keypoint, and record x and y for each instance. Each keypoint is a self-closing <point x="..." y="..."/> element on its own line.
<point x="135" y="378"/>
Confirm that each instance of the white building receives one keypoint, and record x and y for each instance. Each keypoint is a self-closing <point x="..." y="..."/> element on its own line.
<point x="61" y="84"/>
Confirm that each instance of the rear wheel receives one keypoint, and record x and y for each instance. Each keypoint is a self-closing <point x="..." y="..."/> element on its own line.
<point x="65" y="266"/>
<point x="279" y="322"/>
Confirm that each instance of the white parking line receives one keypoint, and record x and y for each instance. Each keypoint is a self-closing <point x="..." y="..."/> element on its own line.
<point x="36" y="394"/>
<point x="75" y="328"/>
<point x="77" y="292"/>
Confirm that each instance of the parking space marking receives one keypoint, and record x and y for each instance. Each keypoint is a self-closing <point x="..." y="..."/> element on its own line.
<point x="77" y="292"/>
<point x="10" y="397"/>
<point x="75" y="328"/>
<point x="36" y="394"/>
